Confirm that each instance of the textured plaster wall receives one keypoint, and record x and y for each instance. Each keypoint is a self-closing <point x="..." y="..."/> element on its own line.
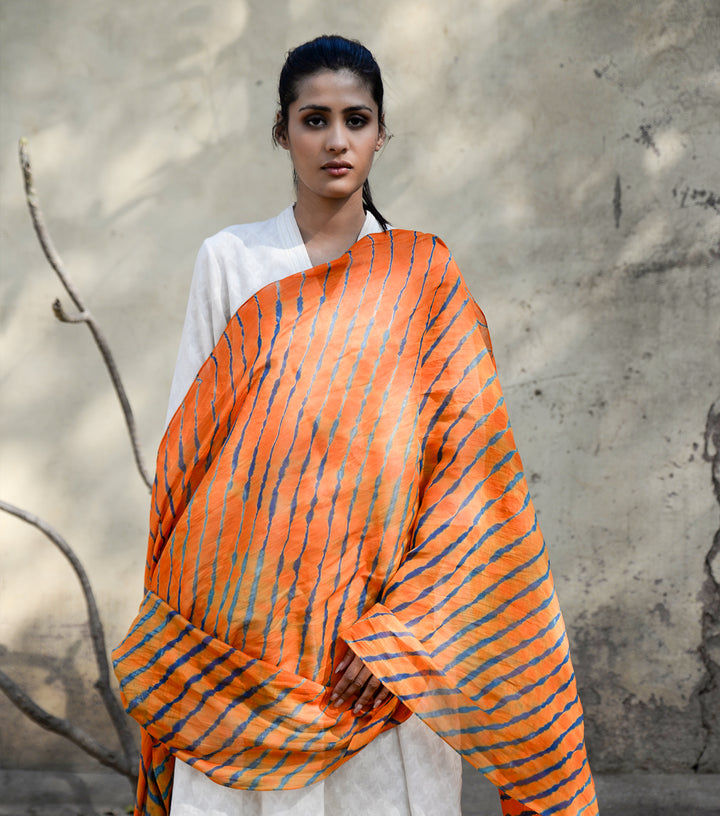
<point x="566" y="151"/>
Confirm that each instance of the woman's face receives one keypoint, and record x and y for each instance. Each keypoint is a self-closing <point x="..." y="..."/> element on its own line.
<point x="332" y="135"/>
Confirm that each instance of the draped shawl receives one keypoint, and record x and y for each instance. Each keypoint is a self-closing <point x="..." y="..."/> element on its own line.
<point x="343" y="472"/>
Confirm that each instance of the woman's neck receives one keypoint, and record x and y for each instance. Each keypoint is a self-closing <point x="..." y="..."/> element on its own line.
<point x="329" y="227"/>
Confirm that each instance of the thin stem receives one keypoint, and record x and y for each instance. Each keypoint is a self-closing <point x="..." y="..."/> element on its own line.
<point x="56" y="263"/>
<point x="63" y="727"/>
<point x="97" y="634"/>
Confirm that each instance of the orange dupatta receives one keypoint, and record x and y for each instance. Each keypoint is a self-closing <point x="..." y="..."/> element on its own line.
<point x="341" y="472"/>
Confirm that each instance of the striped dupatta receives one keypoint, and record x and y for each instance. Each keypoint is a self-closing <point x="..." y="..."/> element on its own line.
<point x="343" y="471"/>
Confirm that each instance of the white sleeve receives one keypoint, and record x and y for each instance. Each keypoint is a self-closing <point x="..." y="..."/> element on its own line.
<point x="208" y="312"/>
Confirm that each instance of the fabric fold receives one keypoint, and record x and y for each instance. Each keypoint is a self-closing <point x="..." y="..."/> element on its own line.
<point x="224" y="711"/>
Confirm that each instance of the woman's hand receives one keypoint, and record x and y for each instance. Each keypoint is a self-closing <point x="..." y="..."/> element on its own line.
<point x="356" y="681"/>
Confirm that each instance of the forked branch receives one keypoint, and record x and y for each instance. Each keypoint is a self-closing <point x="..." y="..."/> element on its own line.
<point x="122" y="764"/>
<point x="84" y="315"/>
<point x="127" y="764"/>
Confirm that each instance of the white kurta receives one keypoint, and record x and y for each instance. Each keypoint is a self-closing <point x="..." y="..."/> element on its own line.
<point x="407" y="771"/>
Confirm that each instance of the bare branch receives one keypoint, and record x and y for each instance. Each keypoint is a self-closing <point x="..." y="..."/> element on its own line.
<point x="97" y="634"/>
<point x="39" y="223"/>
<point x="58" y="725"/>
<point x="64" y="317"/>
<point x="54" y="260"/>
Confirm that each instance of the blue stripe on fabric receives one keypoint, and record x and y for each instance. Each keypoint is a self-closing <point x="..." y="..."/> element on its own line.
<point x="441" y="312"/>
<point x="431" y="321"/>
<point x="211" y="482"/>
<point x="149" y="636"/>
<point x="504" y="678"/>
<point x="547" y="770"/>
<point x="228" y="710"/>
<point x="470" y="337"/>
<point x="251" y="423"/>
<point x="497" y="609"/>
<point x="288" y="455"/>
<point x="230" y="486"/>
<point x="389" y="509"/>
<point x="478" y="456"/>
<point x="260" y="561"/>
<point x="251" y="470"/>
<point x="214" y="414"/>
<point x="184" y="632"/>
<point x="342" y="469"/>
<point x="187" y="685"/>
<point x="169" y="671"/>
<point x="446" y="330"/>
<point x="525" y="758"/>
<point x="320" y="472"/>
<point x="452" y="545"/>
<point x="293" y="508"/>
<point x="276" y="767"/>
<point x="519" y="646"/>
<point x="275" y="492"/>
<point x="361" y="467"/>
<point x="518" y="718"/>
<point x="561" y="807"/>
<point x="511" y="743"/>
<point x="317" y="775"/>
<point x="168" y="491"/>
<point x="256" y="712"/>
<point x="503" y="656"/>
<point x="390" y="444"/>
<point x="306" y="461"/>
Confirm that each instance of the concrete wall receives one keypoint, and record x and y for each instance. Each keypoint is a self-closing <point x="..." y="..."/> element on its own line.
<point x="566" y="151"/>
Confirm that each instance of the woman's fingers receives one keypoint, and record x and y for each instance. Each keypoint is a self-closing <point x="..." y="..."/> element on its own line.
<point x="344" y="663"/>
<point x="357" y="682"/>
<point x="367" y="695"/>
<point x="382" y="695"/>
<point x="353" y="678"/>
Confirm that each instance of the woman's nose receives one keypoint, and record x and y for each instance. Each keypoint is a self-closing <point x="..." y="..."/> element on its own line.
<point x="336" y="138"/>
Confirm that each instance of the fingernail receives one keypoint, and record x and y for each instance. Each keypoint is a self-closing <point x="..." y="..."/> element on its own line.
<point x="376" y="704"/>
<point x="333" y="697"/>
<point x="357" y="709"/>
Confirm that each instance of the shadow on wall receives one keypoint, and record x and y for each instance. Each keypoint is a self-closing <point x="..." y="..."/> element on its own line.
<point x="61" y="685"/>
<point x="566" y="151"/>
<point x="585" y="191"/>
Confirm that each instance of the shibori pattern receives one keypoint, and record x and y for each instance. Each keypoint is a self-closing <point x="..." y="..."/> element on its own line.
<point x="342" y="472"/>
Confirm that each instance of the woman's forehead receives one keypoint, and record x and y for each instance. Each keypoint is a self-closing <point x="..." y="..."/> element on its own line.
<point x="328" y="86"/>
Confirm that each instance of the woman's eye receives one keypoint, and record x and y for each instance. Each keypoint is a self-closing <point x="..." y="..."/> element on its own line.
<point x="315" y="121"/>
<point x="356" y="121"/>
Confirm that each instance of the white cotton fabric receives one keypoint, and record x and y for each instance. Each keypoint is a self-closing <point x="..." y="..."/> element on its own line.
<point x="407" y="771"/>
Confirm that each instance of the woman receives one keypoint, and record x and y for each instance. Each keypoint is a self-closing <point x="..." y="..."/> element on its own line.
<point x="342" y="550"/>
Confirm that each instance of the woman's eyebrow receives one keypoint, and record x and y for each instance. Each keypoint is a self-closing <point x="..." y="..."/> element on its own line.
<point x="326" y="109"/>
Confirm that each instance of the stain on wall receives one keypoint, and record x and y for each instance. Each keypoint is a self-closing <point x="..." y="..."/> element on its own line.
<point x="624" y="730"/>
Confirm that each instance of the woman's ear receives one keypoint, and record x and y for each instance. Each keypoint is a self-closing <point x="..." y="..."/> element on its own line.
<point x="280" y="132"/>
<point x="382" y="135"/>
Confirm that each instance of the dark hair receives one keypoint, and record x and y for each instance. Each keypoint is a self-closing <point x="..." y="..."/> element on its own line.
<point x="330" y="53"/>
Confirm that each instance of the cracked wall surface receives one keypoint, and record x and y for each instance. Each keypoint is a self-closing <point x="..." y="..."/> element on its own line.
<point x="709" y="693"/>
<point x="566" y="152"/>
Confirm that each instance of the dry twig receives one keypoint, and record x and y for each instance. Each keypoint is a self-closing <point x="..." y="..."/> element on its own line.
<point x="65" y="728"/>
<point x="127" y="764"/>
<point x="84" y="315"/>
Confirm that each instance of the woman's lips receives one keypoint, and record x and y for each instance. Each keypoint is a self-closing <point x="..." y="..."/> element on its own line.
<point x="337" y="169"/>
